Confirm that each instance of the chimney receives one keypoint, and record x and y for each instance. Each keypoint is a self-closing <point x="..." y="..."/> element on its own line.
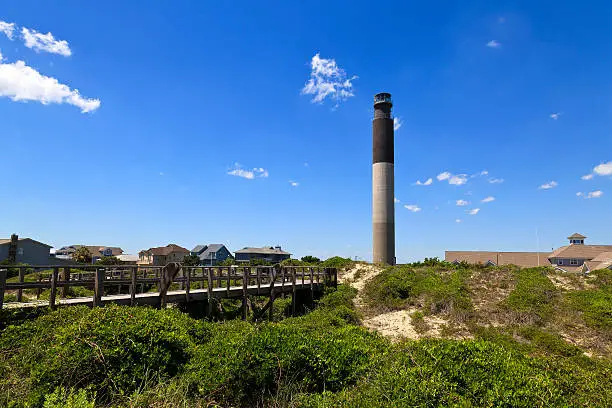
<point x="383" y="196"/>
<point x="12" y="252"/>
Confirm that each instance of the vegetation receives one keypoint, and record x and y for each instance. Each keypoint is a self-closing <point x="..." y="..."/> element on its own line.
<point x="108" y="260"/>
<point x="141" y="357"/>
<point x="338" y="262"/>
<point x="191" y="260"/>
<point x="309" y="259"/>
<point x="82" y="255"/>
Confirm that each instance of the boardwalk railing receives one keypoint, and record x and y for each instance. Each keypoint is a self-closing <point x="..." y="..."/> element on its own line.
<point x="144" y="284"/>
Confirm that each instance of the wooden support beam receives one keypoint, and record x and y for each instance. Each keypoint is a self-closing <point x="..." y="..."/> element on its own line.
<point x="3" y="274"/>
<point x="53" y="293"/>
<point x="98" y="286"/>
<point x="133" y="286"/>
<point x="245" y="307"/>
<point x="258" y="279"/>
<point x="311" y="289"/>
<point x="65" y="278"/>
<point x="187" y="274"/>
<point x="274" y="273"/>
<point x="21" y="279"/>
<point x="293" y="299"/>
<point x="210" y="292"/>
<point x="229" y="273"/>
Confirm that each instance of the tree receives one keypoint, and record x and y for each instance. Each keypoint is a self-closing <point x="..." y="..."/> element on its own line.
<point x="229" y="261"/>
<point x="108" y="260"/>
<point x="191" y="260"/>
<point x="81" y="255"/>
<point x="311" y="259"/>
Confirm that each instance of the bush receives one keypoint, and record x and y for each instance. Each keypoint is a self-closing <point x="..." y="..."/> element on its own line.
<point x="338" y="262"/>
<point x="534" y="296"/>
<point x="115" y="349"/>
<point x="471" y="373"/>
<point x="399" y="287"/>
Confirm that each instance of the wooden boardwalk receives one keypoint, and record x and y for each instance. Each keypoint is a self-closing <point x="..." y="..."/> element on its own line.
<point x="157" y="286"/>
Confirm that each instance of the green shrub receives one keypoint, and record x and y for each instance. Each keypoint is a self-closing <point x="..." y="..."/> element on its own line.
<point x="534" y="295"/>
<point x="115" y="349"/>
<point x="401" y="286"/>
<point x="62" y="398"/>
<point x="595" y="305"/>
<point x="338" y="262"/>
<point x="471" y="373"/>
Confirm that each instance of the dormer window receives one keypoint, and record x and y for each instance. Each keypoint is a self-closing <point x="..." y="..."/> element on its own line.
<point x="573" y="262"/>
<point x="108" y="252"/>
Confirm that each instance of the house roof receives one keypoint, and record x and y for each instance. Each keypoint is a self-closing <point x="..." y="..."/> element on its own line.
<point x="93" y="249"/>
<point x="524" y="259"/>
<point x="576" y="235"/>
<point x="603" y="257"/>
<point x="211" y="249"/>
<point x="580" y="251"/>
<point x="262" y="250"/>
<point x="594" y="265"/>
<point x="167" y="250"/>
<point x="198" y="249"/>
<point x="7" y="241"/>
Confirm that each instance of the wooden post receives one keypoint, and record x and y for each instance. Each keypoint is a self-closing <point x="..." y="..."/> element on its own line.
<point x="53" y="293"/>
<point x="187" y="274"/>
<point x="245" y="307"/>
<point x="21" y="279"/>
<point x="258" y="279"/>
<point x="210" y="292"/>
<point x="3" y="273"/>
<point x="39" y="290"/>
<point x="293" y="283"/>
<point x="229" y="273"/>
<point x="283" y="281"/>
<point x="311" y="289"/>
<point x="133" y="286"/>
<point x="121" y="276"/>
<point x="98" y="286"/>
<point x="302" y="276"/>
<point x="274" y="271"/>
<point x="65" y="286"/>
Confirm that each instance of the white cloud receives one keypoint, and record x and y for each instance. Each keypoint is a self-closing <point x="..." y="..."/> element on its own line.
<point x="461" y="202"/>
<point x="457" y="220"/>
<point x="555" y="115"/>
<point x="7" y="29"/>
<point x="473" y="211"/>
<point x="548" y="186"/>
<point x="424" y="183"/>
<point x="238" y="171"/>
<point x="493" y="44"/>
<point x="592" y="194"/>
<point x="23" y="83"/>
<point x="397" y="123"/>
<point x="161" y="173"/>
<point x="604" y="169"/>
<point x="456" y="179"/>
<point x="496" y="180"/>
<point x="413" y="207"/>
<point x="294" y="183"/>
<point x="45" y="42"/>
<point x="444" y="176"/>
<point x="328" y="80"/>
<point x="396" y="200"/>
<point x="484" y="173"/>
<point x="587" y="177"/>
<point x="487" y="199"/>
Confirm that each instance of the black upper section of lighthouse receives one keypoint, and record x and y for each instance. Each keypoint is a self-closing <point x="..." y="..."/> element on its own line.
<point x="382" y="129"/>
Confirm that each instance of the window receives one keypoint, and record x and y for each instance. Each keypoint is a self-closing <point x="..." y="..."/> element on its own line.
<point x="560" y="262"/>
<point x="19" y="251"/>
<point x="573" y="262"/>
<point x="108" y="252"/>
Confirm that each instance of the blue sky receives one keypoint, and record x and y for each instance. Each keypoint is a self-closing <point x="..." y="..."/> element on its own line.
<point x="172" y="95"/>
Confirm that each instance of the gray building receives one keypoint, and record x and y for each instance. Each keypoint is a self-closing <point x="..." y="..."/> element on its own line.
<point x="25" y="250"/>
<point x="211" y="254"/>
<point x="268" y="254"/>
<point x="96" y="251"/>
